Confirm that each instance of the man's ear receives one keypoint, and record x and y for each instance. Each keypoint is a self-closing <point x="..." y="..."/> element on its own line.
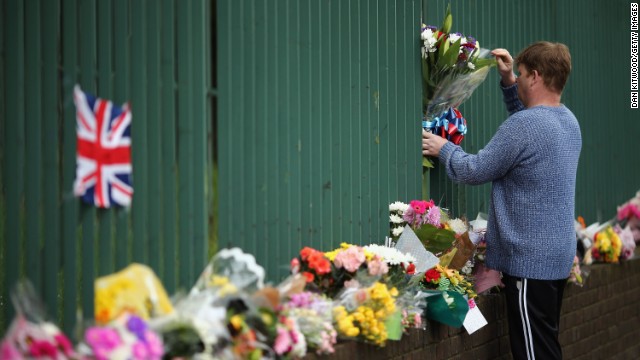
<point x="535" y="76"/>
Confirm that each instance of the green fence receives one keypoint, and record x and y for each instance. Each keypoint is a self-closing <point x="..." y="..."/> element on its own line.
<point x="155" y="55"/>
<point x="314" y="107"/>
<point x="320" y="109"/>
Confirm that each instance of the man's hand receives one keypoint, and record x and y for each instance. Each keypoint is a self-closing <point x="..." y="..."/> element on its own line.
<point x="431" y="144"/>
<point x="505" y="66"/>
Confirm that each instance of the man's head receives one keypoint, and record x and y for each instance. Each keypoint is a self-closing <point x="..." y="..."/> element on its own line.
<point x="550" y="61"/>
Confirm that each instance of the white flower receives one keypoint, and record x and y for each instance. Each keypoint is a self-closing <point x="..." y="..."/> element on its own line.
<point x="397" y="231"/>
<point x="467" y="268"/>
<point x="429" y="40"/>
<point x="471" y="66"/>
<point x="395" y="219"/>
<point x="398" y="206"/>
<point x="389" y="255"/>
<point x="458" y="226"/>
<point x="454" y="37"/>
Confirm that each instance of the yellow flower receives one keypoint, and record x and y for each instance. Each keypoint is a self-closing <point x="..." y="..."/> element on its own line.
<point x="236" y="321"/>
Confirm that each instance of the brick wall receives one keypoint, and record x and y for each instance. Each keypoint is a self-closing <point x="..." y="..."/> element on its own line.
<point x="599" y="321"/>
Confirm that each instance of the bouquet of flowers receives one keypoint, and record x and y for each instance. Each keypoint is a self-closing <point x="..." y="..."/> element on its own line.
<point x="427" y="220"/>
<point x="575" y="276"/>
<point x="442" y="278"/>
<point x="327" y="272"/>
<point x="126" y="338"/>
<point x="365" y="312"/>
<point x="313" y="316"/>
<point x="607" y="246"/>
<point x="453" y="65"/>
<point x="628" y="243"/>
<point x="30" y="335"/>
<point x="136" y="289"/>
<point x="629" y="216"/>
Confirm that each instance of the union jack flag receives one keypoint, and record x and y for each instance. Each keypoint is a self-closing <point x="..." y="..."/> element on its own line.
<point x="103" y="172"/>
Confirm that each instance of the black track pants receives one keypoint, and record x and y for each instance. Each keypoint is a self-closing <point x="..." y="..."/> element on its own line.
<point x="533" y="309"/>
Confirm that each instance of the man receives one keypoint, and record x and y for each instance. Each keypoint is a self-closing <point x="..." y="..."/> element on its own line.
<point x="532" y="162"/>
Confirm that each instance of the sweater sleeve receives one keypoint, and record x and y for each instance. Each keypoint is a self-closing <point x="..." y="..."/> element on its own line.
<point x="490" y="163"/>
<point x="510" y="97"/>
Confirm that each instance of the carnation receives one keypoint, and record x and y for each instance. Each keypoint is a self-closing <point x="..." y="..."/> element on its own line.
<point x="458" y="226"/>
<point x="398" y="206"/>
<point x="397" y="231"/>
<point x="395" y="219"/>
<point x="391" y="256"/>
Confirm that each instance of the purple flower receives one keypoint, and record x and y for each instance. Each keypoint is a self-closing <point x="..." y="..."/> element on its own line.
<point x="137" y="326"/>
<point x="433" y="216"/>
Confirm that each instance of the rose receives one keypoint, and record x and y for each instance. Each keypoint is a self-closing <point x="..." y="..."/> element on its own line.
<point x="432" y="276"/>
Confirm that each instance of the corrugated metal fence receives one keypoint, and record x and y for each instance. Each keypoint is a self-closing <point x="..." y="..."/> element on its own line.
<point x="319" y="109"/>
<point x="157" y="56"/>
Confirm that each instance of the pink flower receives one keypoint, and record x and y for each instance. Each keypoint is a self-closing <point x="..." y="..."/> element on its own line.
<point x="42" y="349"/>
<point x="64" y="344"/>
<point x="350" y="259"/>
<point x="295" y="266"/>
<point x="283" y="342"/>
<point x="417" y="320"/>
<point x="627" y="211"/>
<point x="419" y="206"/>
<point x="377" y="267"/>
<point x="9" y="352"/>
<point x="628" y="243"/>
<point x="433" y="216"/>
<point x="140" y="351"/>
<point x="154" y="345"/>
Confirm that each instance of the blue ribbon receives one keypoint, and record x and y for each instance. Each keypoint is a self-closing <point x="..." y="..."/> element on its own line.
<point x="439" y="123"/>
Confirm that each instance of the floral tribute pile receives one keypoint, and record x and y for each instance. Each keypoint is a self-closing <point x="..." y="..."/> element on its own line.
<point x="431" y="267"/>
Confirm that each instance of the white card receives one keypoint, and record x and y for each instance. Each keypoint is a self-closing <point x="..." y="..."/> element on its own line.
<point x="474" y="319"/>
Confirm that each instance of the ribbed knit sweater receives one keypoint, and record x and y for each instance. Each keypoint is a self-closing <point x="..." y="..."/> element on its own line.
<point x="532" y="162"/>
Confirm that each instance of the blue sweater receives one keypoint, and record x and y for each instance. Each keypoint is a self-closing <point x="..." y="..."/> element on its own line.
<point x="532" y="162"/>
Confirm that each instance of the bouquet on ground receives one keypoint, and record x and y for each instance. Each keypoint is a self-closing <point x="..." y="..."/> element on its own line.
<point x="607" y="246"/>
<point x="133" y="290"/>
<point x="30" y="335"/>
<point x="219" y="317"/>
<point x="312" y="314"/>
<point x="327" y="272"/>
<point x="629" y="216"/>
<point x="127" y="337"/>
<point x="453" y="65"/>
<point x="367" y="313"/>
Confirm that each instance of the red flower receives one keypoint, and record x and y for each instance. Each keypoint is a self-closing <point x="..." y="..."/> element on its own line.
<point x="64" y="344"/>
<point x="432" y="276"/>
<point x="411" y="269"/>
<point x="305" y="252"/>
<point x="309" y="276"/>
<point x="295" y="265"/>
<point x="319" y="263"/>
<point x="42" y="348"/>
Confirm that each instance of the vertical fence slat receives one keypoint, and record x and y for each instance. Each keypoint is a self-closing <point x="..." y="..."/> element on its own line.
<point x="14" y="140"/>
<point x="105" y="91"/>
<point x="121" y="41"/>
<point x="88" y="61"/>
<point x="185" y="145"/>
<point x="3" y="115"/>
<point x="153" y="132"/>
<point x="33" y="137"/>
<point x="139" y="128"/>
<point x="168" y="150"/>
<point x="51" y="126"/>
<point x="69" y="203"/>
<point x="199" y="137"/>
